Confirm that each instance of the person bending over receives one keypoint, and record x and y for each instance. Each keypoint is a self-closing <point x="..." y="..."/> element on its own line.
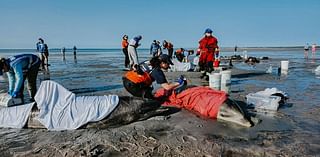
<point x="19" y="68"/>
<point x="139" y="82"/>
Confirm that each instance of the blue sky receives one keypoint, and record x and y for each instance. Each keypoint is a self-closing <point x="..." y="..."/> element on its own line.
<point x="102" y="23"/>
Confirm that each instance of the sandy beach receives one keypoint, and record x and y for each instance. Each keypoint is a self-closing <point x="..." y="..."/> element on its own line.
<point x="292" y="131"/>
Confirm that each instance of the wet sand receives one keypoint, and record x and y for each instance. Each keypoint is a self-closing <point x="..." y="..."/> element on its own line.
<point x="292" y="131"/>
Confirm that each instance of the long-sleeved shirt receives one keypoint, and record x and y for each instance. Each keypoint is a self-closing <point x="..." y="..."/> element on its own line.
<point x="155" y="49"/>
<point x="40" y="47"/>
<point x="18" y="65"/>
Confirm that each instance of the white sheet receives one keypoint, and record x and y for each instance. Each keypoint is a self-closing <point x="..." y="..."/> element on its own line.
<point x="60" y="109"/>
<point x="16" y="116"/>
<point x="179" y="66"/>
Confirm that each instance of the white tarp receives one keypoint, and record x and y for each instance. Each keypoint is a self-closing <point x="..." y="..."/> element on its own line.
<point x="16" y="116"/>
<point x="180" y="66"/>
<point x="60" y="109"/>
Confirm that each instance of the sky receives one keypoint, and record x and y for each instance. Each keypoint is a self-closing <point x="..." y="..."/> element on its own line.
<point x="102" y="23"/>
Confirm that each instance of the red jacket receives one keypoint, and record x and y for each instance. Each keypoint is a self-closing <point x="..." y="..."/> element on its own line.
<point x="208" y="44"/>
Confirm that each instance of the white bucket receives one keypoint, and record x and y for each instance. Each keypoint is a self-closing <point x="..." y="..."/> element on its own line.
<point x="225" y="88"/>
<point x="215" y="81"/>
<point x="284" y="65"/>
<point x="226" y="77"/>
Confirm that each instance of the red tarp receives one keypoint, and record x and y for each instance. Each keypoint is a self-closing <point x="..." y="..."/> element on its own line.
<point x="202" y="100"/>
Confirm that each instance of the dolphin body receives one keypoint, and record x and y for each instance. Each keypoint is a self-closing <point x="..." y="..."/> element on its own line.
<point x="132" y="109"/>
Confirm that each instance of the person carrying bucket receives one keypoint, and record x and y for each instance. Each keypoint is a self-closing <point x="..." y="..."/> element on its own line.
<point x="208" y="47"/>
<point x="139" y="82"/>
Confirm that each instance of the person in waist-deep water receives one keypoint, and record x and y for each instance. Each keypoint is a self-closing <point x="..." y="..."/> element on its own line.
<point x="208" y="47"/>
<point x="125" y="45"/>
<point x="169" y="46"/>
<point x="139" y="82"/>
<point x="132" y="51"/>
<point x="19" y="68"/>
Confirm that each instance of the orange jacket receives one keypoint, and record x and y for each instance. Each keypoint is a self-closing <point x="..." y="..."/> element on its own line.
<point x="125" y="43"/>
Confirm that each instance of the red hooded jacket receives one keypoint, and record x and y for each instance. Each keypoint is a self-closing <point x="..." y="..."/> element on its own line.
<point x="207" y="46"/>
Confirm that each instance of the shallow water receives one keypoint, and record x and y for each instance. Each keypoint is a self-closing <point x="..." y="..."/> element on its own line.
<point x="96" y="72"/>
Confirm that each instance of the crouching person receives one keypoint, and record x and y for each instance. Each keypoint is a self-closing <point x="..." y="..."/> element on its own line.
<point x="19" y="68"/>
<point x="139" y="82"/>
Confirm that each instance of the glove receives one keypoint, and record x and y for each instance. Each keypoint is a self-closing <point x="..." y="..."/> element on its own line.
<point x="181" y="80"/>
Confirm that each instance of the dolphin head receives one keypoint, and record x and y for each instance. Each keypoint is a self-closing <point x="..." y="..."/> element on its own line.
<point x="230" y="111"/>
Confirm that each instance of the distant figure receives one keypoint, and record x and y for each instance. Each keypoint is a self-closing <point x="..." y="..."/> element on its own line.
<point x="235" y="50"/>
<point x="313" y="50"/>
<point x="132" y="51"/>
<point x="208" y="48"/>
<point x="63" y="52"/>
<point x="43" y="51"/>
<point x="125" y="45"/>
<point x="75" y="54"/>
<point x="169" y="46"/>
<point x="19" y="68"/>
<point x="155" y="48"/>
<point x="74" y="51"/>
<point x="306" y="50"/>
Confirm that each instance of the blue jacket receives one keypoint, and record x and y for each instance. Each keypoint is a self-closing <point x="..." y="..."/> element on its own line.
<point x="154" y="48"/>
<point x="41" y="47"/>
<point x="18" y="65"/>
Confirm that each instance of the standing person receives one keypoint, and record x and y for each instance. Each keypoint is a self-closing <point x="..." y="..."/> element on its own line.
<point x="43" y="51"/>
<point x="139" y="82"/>
<point x="235" y="50"/>
<point x="208" y="47"/>
<point x="74" y="51"/>
<point x="169" y="46"/>
<point x="313" y="50"/>
<point x="306" y="51"/>
<point x="75" y="54"/>
<point x="155" y="48"/>
<point x="19" y="68"/>
<point x="125" y="45"/>
<point x="63" y="52"/>
<point x="132" y="51"/>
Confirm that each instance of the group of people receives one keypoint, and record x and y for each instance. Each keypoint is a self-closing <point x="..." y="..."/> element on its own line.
<point x="313" y="50"/>
<point x="139" y="80"/>
<point x="129" y="48"/>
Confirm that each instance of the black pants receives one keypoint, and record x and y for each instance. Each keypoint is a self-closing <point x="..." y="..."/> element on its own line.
<point x="31" y="77"/>
<point x="126" y="59"/>
<point x="170" y="52"/>
<point x="138" y="90"/>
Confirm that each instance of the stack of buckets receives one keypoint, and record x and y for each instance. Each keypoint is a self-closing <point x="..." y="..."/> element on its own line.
<point x="220" y="81"/>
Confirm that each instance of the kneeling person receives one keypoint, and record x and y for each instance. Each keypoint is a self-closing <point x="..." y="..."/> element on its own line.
<point x="139" y="82"/>
<point x="19" y="68"/>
